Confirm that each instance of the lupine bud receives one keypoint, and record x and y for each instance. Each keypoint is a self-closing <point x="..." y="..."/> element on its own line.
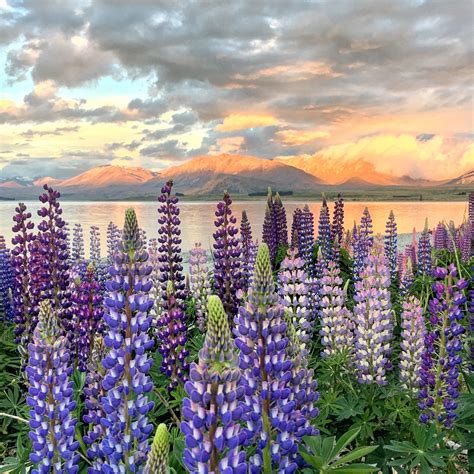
<point x="50" y="398"/>
<point x="199" y="283"/>
<point x="337" y="228"/>
<point x="77" y="253"/>
<point x="95" y="244"/>
<point x="373" y="321"/>
<point x="158" y="457"/>
<point x="424" y="252"/>
<point x="412" y="342"/>
<point x="391" y="245"/>
<point x="324" y="233"/>
<point x="213" y="410"/>
<point x="125" y="443"/>
<point x="336" y="320"/>
<point x="439" y="374"/>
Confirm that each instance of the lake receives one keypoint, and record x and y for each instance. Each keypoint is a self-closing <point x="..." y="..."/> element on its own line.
<point x="197" y="217"/>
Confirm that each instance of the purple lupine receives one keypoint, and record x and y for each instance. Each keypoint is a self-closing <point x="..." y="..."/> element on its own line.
<point x="247" y="243"/>
<point x="24" y="307"/>
<point x="200" y="285"/>
<point x="358" y="253"/>
<point x="452" y="237"/>
<point x="297" y="213"/>
<point x="213" y="409"/>
<point x="411" y="253"/>
<point x="281" y="226"/>
<point x="406" y="275"/>
<point x="126" y="425"/>
<point x="94" y="251"/>
<point x="227" y="267"/>
<point x="88" y="313"/>
<point x="305" y="232"/>
<point x="50" y="397"/>
<point x="77" y="254"/>
<point x="366" y="238"/>
<point x="337" y="227"/>
<point x="6" y="281"/>
<point x="471" y="320"/>
<point x="93" y="409"/>
<point x="269" y="236"/>
<point x="373" y="323"/>
<point x="260" y="332"/>
<point x="293" y="290"/>
<point x="391" y="245"/>
<point x="440" y="237"/>
<point x="424" y="252"/>
<point x="53" y="253"/>
<point x="471" y="219"/>
<point x="113" y="241"/>
<point x="441" y="360"/>
<point x="337" y="323"/>
<point x="172" y="336"/>
<point x="171" y="268"/>
<point x="464" y="244"/>
<point x="324" y="233"/>
<point x="412" y="342"/>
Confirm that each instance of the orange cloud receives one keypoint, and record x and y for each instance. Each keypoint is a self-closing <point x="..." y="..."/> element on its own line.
<point x="300" y="137"/>
<point x="242" y="121"/>
<point x="227" y="145"/>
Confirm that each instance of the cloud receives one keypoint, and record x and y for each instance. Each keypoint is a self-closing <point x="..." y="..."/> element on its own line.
<point x="30" y="133"/>
<point x="228" y="145"/>
<point x="240" y="121"/>
<point x="293" y="137"/>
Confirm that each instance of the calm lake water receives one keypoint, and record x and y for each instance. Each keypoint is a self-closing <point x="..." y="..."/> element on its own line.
<point x="197" y="217"/>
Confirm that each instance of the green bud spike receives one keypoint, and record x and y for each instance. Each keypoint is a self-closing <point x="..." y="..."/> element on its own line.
<point x="169" y="288"/>
<point x="269" y="196"/>
<point x="158" y="461"/>
<point x="262" y="284"/>
<point x="48" y="324"/>
<point x="130" y="235"/>
<point x="278" y="200"/>
<point x="426" y="225"/>
<point x="391" y="215"/>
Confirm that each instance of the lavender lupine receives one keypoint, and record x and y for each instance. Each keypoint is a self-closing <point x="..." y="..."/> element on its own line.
<point x="213" y="408"/>
<point x="24" y="307"/>
<point x="200" y="285"/>
<point x="411" y="253"/>
<point x="227" y="260"/>
<point x="452" y="232"/>
<point x="50" y="397"/>
<point x="358" y="253"/>
<point x="294" y="228"/>
<point x="113" y="241"/>
<point x="6" y="281"/>
<point x="293" y="290"/>
<point x="126" y="425"/>
<point x="440" y="237"/>
<point x="412" y="342"/>
<point x="260" y="332"/>
<point x="373" y="323"/>
<point x="406" y="274"/>
<point x="171" y="268"/>
<point x="337" y="323"/>
<point x="247" y="243"/>
<point x="471" y="219"/>
<point x="464" y="244"/>
<point x="324" y="233"/>
<point x="366" y="238"/>
<point x="269" y="236"/>
<point x="77" y="253"/>
<point x="158" y="457"/>
<point x="94" y="244"/>
<point x="441" y="360"/>
<point x="281" y="226"/>
<point x="337" y="227"/>
<point x="305" y="231"/>
<point x="391" y="245"/>
<point x="424" y="252"/>
<point x="172" y="336"/>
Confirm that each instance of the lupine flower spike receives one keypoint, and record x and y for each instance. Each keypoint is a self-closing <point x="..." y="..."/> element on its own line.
<point x="324" y="233"/>
<point x="158" y="458"/>
<point x="391" y="245"/>
<point x="200" y="286"/>
<point x="424" y="252"/>
<point x="337" y="228"/>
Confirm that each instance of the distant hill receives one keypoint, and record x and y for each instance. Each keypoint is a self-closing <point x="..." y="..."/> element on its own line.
<point x="464" y="179"/>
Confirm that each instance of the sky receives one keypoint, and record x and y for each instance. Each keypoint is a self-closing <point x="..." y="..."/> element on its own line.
<point x="149" y="83"/>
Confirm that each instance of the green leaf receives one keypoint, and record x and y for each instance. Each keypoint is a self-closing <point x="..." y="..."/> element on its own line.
<point x="355" y="454"/>
<point x="356" y="469"/>
<point x="344" y="440"/>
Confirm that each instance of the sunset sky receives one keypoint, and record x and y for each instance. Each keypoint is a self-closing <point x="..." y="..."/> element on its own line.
<point x="153" y="83"/>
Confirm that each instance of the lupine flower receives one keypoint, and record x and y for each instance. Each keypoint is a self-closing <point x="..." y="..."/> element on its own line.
<point x="23" y="305"/>
<point x="324" y="233"/>
<point x="358" y="253"/>
<point x="391" y="245"/>
<point x="424" y="252"/>
<point x="213" y="408"/>
<point x="143" y="237"/>
<point x="366" y="238"/>
<point x="336" y="320"/>
<point x="471" y="220"/>
<point x="406" y="274"/>
<point x="373" y="321"/>
<point x="412" y="342"/>
<point x="77" y="253"/>
<point x="411" y="253"/>
<point x="227" y="267"/>
<point x="158" y="457"/>
<point x="156" y="292"/>
<point x="171" y="268"/>
<point x="172" y="334"/>
<point x="260" y="332"/>
<point x="199" y="283"/>
<point x="452" y="237"/>
<point x="93" y="409"/>
<point x="95" y="244"/>
<point x="113" y="241"/>
<point x="305" y="233"/>
<point x="471" y="322"/>
<point x="281" y="226"/>
<point x="269" y="235"/>
<point x="6" y="281"/>
<point x="247" y="243"/>
<point x="440" y="237"/>
<point x="439" y="374"/>
<point x="126" y="425"/>
<point x="294" y="228"/>
<point x="337" y="228"/>
<point x="88" y="313"/>
<point x="464" y="241"/>
<point x="50" y="398"/>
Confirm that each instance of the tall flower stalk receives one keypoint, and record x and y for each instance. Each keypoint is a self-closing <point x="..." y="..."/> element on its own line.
<point x="247" y="248"/>
<point x="77" y="253"/>
<point x="324" y="233"/>
<point x="6" y="281"/>
<point x="281" y="226"/>
<point x="391" y="245"/>
<point x="440" y="237"/>
<point x="425" y="263"/>
<point x="200" y="285"/>
<point x="126" y="425"/>
<point x="269" y="235"/>
<point x="94" y="244"/>
<point x="113" y="241"/>
<point x="337" y="227"/>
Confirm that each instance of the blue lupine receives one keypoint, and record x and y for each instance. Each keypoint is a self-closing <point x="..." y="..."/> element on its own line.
<point x="126" y="425"/>
<point x="391" y="245"/>
<point x="324" y="233"/>
<point x="213" y="408"/>
<point x="281" y="226"/>
<point x="441" y="360"/>
<point x="77" y="254"/>
<point x="6" y="282"/>
<point x="424" y="252"/>
<point x="440" y="237"/>
<point x="50" y="397"/>
<point x="269" y="236"/>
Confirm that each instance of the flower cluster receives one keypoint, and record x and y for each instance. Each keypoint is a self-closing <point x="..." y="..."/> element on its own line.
<point x="440" y="237"/>
<point x="126" y="426"/>
<point x="373" y="321"/>
<point x="77" y="254"/>
<point x="94" y="250"/>
<point x="6" y="282"/>
<point x="213" y="408"/>
<point x="303" y="229"/>
<point x="439" y="374"/>
<point x="113" y="240"/>
<point x="324" y="233"/>
<point x="50" y="398"/>
<point x="281" y="226"/>
<point x="391" y="245"/>
<point x="227" y="250"/>
<point x="337" y="228"/>
<point x="269" y="236"/>
<point x="406" y="275"/>
<point x="247" y="249"/>
<point x="199" y="283"/>
<point x="412" y="342"/>
<point x="424" y="252"/>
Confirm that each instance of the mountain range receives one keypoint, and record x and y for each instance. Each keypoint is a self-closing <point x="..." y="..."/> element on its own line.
<point x="210" y="175"/>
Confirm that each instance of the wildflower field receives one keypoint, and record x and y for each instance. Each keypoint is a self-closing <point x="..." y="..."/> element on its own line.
<point x="313" y="346"/>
